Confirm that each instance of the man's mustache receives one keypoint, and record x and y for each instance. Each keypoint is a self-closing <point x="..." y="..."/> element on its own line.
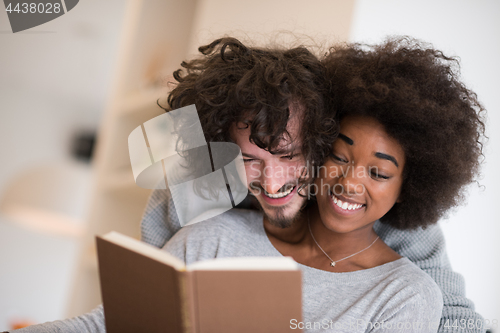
<point x="256" y="185"/>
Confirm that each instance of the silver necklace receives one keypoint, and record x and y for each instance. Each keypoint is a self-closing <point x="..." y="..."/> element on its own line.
<point x="332" y="262"/>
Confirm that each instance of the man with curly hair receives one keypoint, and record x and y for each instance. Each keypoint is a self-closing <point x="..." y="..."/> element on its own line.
<point x="268" y="101"/>
<point x="271" y="102"/>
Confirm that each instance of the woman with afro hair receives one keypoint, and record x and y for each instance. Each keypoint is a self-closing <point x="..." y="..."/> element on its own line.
<point x="409" y="142"/>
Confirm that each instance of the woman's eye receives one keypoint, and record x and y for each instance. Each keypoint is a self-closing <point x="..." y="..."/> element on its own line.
<point x="376" y="175"/>
<point x="246" y="160"/>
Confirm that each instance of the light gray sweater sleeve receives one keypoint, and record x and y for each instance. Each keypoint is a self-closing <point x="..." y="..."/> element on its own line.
<point x="412" y="312"/>
<point x="159" y="222"/>
<point x="426" y="248"/>
<point x="92" y="322"/>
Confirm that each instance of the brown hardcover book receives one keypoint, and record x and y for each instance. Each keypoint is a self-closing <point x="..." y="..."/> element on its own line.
<point x="145" y="289"/>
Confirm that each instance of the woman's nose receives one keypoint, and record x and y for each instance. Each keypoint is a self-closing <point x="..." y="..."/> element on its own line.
<point x="351" y="181"/>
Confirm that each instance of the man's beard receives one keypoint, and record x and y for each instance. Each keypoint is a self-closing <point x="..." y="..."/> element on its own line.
<point x="279" y="219"/>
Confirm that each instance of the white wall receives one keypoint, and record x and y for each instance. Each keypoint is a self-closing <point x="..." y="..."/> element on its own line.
<point x="53" y="80"/>
<point x="470" y="30"/>
<point x="261" y="21"/>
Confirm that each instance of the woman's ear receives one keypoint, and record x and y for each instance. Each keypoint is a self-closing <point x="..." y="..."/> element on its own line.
<point x="399" y="199"/>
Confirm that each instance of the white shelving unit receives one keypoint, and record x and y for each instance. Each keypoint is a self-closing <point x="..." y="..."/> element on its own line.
<point x="154" y="41"/>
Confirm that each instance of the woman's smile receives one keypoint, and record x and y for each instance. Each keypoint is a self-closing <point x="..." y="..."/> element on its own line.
<point x="344" y="206"/>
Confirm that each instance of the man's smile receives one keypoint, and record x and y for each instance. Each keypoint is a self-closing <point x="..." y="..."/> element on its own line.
<point x="281" y="194"/>
<point x="279" y="198"/>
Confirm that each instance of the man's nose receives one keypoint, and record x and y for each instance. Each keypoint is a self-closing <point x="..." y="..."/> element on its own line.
<point x="272" y="178"/>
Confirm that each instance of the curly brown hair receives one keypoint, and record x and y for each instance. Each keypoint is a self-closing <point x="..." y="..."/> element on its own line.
<point x="415" y="92"/>
<point x="233" y="83"/>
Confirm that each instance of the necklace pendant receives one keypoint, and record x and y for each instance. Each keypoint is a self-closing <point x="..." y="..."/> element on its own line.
<point x="332" y="264"/>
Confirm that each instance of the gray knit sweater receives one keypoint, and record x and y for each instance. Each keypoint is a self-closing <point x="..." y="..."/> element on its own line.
<point x="425" y="248"/>
<point x="396" y="296"/>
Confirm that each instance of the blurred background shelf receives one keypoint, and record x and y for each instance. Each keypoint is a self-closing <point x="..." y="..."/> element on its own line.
<point x="120" y="180"/>
<point x="140" y="100"/>
<point x="154" y="41"/>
